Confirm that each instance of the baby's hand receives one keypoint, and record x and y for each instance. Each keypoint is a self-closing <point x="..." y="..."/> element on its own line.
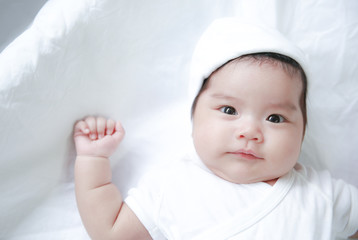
<point x="97" y="137"/>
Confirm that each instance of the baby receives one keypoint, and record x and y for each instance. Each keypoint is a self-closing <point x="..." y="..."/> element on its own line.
<point x="242" y="179"/>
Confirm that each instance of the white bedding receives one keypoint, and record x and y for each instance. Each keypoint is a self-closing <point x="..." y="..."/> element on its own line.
<point x="129" y="60"/>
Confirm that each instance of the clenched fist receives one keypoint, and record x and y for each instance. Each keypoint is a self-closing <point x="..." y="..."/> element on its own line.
<point x="97" y="137"/>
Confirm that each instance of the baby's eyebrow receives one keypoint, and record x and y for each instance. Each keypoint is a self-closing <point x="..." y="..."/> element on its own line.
<point x="283" y="105"/>
<point x="224" y="96"/>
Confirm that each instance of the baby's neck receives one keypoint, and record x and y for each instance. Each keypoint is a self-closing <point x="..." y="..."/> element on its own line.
<point x="271" y="182"/>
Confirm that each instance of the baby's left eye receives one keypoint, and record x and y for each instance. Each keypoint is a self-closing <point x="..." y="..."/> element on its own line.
<point x="275" y="118"/>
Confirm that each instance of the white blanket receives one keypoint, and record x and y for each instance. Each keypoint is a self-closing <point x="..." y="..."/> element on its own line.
<point x="129" y="60"/>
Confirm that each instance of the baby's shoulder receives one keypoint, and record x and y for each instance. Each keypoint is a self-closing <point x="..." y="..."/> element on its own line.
<point x="311" y="175"/>
<point x="320" y="182"/>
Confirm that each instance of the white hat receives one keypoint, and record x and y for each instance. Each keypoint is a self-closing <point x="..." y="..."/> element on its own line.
<point x="229" y="38"/>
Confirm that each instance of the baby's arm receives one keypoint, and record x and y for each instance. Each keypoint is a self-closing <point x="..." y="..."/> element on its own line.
<point x="100" y="203"/>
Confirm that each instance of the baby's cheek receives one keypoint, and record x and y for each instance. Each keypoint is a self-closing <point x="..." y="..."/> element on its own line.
<point x="291" y="150"/>
<point x="205" y="145"/>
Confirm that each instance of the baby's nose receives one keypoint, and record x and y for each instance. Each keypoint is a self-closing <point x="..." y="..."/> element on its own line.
<point x="250" y="130"/>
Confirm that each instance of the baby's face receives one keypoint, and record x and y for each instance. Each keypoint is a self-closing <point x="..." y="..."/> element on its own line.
<point x="248" y="124"/>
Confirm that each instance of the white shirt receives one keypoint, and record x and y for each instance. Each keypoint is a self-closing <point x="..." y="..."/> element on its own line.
<point x="187" y="201"/>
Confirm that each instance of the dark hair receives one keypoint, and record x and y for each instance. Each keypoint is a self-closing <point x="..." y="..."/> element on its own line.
<point x="288" y="64"/>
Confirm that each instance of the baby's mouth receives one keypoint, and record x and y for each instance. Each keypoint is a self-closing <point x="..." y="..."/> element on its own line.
<point x="246" y="154"/>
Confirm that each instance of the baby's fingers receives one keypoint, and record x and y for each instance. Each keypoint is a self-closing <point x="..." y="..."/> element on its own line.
<point x="92" y="126"/>
<point x="101" y="126"/>
<point x="110" y="126"/>
<point x="119" y="132"/>
<point x="81" y="127"/>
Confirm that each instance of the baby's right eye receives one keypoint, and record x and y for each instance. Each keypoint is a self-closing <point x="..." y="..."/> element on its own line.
<point x="228" y="110"/>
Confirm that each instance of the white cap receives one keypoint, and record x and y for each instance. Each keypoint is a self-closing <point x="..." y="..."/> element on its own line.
<point x="229" y="38"/>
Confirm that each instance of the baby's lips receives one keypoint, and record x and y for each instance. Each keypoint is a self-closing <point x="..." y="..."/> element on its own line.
<point x="247" y="152"/>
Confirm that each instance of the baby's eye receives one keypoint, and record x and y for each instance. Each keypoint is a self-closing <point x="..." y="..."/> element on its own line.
<point x="275" y="118"/>
<point x="228" y="110"/>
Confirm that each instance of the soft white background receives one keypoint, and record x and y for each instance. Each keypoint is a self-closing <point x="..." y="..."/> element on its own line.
<point x="129" y="60"/>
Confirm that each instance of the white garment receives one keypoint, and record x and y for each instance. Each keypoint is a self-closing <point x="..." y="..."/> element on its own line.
<point x="187" y="201"/>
